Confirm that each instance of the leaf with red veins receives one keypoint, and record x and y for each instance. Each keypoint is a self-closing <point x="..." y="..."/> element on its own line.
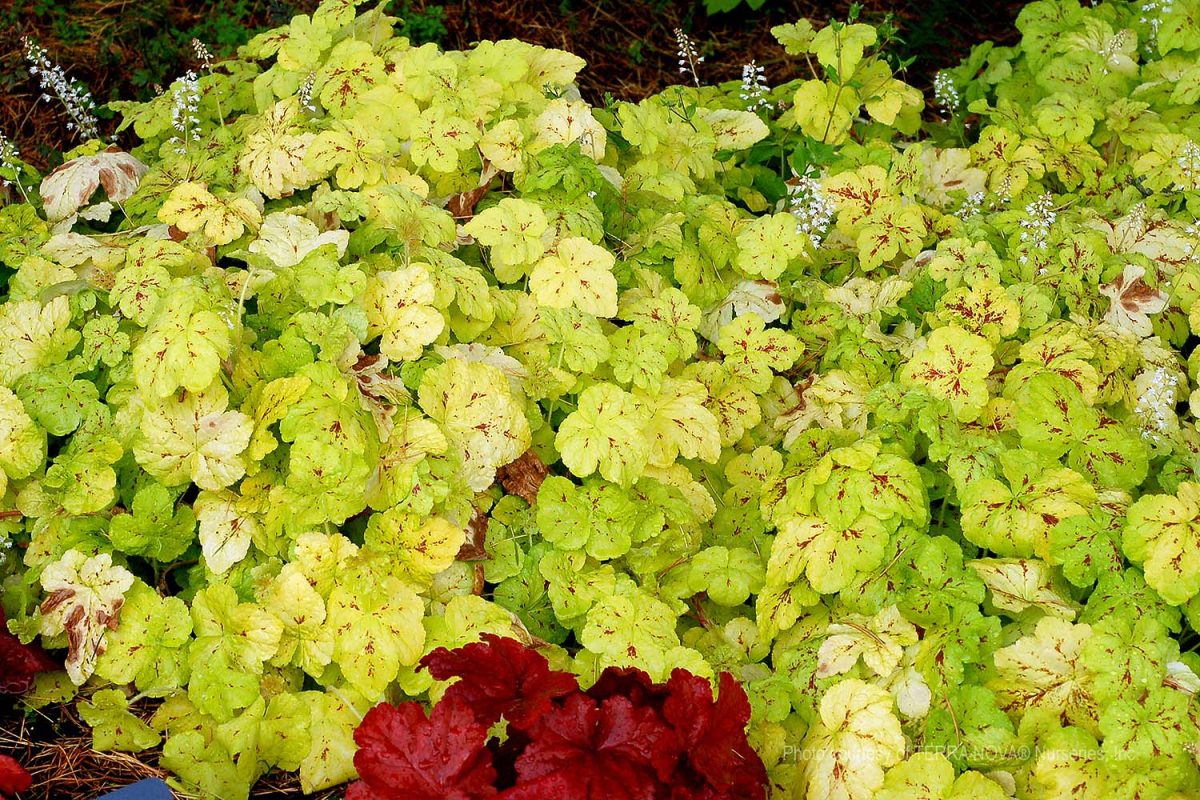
<point x="19" y="663"/>
<point x="404" y="754"/>
<point x="712" y="737"/>
<point x="13" y="777"/>
<point x="500" y="677"/>
<point x="581" y="751"/>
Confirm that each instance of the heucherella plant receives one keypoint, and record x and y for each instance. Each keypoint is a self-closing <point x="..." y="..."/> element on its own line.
<point x="888" y="422"/>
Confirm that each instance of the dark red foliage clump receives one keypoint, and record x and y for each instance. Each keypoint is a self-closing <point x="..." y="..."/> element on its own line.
<point x="625" y="738"/>
<point x="20" y="663"/>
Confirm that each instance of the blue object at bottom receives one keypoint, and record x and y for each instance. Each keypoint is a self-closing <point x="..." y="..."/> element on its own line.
<point x="149" y="789"/>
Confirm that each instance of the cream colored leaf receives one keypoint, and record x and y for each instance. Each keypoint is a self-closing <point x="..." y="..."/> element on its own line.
<point x="735" y="130"/>
<point x="849" y="748"/>
<point x="567" y="121"/>
<point x="226" y="529"/>
<point x="287" y="238"/>
<point x="84" y="599"/>
<point x="399" y="306"/>
<point x="194" y="439"/>
<point x="1018" y="584"/>
<point x="1132" y="301"/>
<point x="879" y="640"/>
<point x="747" y="297"/>
<point x="1042" y="670"/>
<point x="69" y="187"/>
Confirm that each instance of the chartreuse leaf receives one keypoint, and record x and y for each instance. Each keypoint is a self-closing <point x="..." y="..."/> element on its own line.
<point x="417" y="548"/>
<point x="828" y="557"/>
<point x="605" y="433"/>
<point x="22" y="442"/>
<point x="727" y="575"/>
<point x="856" y="738"/>
<point x="480" y="415"/>
<point x="597" y="518"/>
<point x="184" y="344"/>
<point x="578" y="273"/>
<point x="149" y="646"/>
<point x="155" y="528"/>
<point x="767" y="245"/>
<point x="953" y="366"/>
<point x="36" y="335"/>
<point x="931" y="776"/>
<point x="681" y="424"/>
<point x="1161" y="533"/>
<point x="233" y="641"/>
<point x="306" y="641"/>
<point x="840" y="47"/>
<point x="113" y="726"/>
<point x="192" y="208"/>
<point x="1016" y="518"/>
<point x="891" y="230"/>
<point x="376" y="630"/>
<point x="82" y="478"/>
<point x="512" y="230"/>
<point x="753" y="352"/>
<point x="399" y="305"/>
<point x="633" y="629"/>
<point x="1053" y="418"/>
<point x="1043" y="672"/>
<point x="825" y="110"/>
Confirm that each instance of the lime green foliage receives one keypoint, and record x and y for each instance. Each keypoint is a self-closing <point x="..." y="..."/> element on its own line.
<point x="888" y="418"/>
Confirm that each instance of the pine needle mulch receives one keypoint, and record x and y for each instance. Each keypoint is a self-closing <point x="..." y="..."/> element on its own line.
<point x="55" y="746"/>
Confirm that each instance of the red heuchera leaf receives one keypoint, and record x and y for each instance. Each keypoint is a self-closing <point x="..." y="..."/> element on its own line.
<point x="19" y="663"/>
<point x="712" y="738"/>
<point x="584" y="750"/>
<point x="629" y="682"/>
<point x="500" y="677"/>
<point x="404" y="754"/>
<point x="13" y="777"/>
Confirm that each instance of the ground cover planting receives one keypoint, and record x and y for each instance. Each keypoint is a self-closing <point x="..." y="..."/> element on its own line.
<point x="400" y="419"/>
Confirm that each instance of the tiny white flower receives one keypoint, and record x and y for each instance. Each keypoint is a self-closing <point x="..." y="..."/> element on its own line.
<point x="754" y="87"/>
<point x="1158" y="393"/>
<point x="54" y="81"/>
<point x="185" y="110"/>
<point x="306" y="91"/>
<point x="203" y="55"/>
<point x="1189" y="163"/>
<point x="813" y="210"/>
<point x="945" y="93"/>
<point x="1152" y="13"/>
<point x="1035" y="230"/>
<point x="689" y="56"/>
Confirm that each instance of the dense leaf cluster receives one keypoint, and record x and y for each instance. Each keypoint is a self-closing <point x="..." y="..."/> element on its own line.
<point x="892" y="420"/>
<point x="626" y="736"/>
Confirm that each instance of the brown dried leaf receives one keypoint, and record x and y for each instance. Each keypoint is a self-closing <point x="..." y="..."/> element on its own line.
<point x="1132" y="301"/>
<point x="473" y="548"/>
<point x="524" y="476"/>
